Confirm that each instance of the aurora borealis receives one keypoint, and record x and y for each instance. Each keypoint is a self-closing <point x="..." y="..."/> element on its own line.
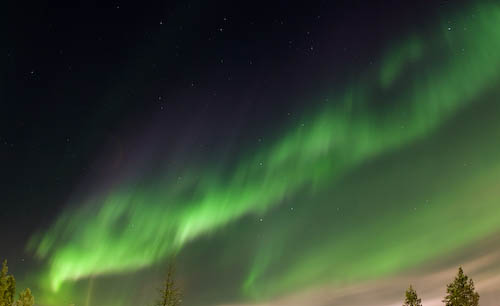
<point x="387" y="176"/>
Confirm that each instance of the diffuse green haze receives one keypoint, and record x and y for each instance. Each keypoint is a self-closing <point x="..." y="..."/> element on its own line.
<point x="385" y="241"/>
<point x="398" y="59"/>
<point x="421" y="86"/>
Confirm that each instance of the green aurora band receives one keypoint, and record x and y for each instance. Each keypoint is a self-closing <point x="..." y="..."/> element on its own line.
<point x="423" y="81"/>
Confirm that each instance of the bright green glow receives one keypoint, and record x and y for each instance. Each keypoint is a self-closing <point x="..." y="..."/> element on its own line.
<point x="468" y="65"/>
<point x="134" y="226"/>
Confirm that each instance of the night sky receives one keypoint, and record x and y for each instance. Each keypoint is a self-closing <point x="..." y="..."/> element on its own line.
<point x="285" y="153"/>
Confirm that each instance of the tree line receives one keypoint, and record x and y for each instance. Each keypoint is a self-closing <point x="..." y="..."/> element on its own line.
<point x="169" y="294"/>
<point x="460" y="292"/>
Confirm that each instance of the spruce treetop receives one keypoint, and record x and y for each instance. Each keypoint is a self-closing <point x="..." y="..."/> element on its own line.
<point x="8" y="290"/>
<point x="411" y="298"/>
<point x="461" y="291"/>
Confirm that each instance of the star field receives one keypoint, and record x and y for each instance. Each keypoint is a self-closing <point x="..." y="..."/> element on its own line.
<point x="320" y="153"/>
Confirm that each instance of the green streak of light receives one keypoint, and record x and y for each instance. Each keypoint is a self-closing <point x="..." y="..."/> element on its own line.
<point x="134" y="226"/>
